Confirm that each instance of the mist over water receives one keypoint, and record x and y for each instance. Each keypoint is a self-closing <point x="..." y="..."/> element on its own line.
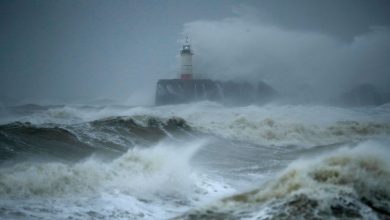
<point x="194" y="161"/>
<point x="82" y="138"/>
<point x="85" y="53"/>
<point x="303" y="65"/>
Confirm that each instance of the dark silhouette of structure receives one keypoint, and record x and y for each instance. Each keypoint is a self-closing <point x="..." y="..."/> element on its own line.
<point x="189" y="87"/>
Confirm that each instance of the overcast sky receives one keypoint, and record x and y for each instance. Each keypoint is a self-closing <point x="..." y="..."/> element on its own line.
<point x="78" y="51"/>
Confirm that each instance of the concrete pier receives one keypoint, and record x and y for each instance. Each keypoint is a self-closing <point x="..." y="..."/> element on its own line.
<point x="176" y="91"/>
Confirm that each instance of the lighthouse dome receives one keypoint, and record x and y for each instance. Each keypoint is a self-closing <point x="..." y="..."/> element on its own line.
<point x="186" y="49"/>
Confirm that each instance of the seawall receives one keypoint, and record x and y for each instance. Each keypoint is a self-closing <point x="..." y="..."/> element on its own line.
<point x="176" y="91"/>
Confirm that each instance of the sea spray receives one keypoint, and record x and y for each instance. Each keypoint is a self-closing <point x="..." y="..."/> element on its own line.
<point x="133" y="175"/>
<point x="147" y="170"/>
<point x="153" y="182"/>
<point x="350" y="183"/>
<point x="272" y="124"/>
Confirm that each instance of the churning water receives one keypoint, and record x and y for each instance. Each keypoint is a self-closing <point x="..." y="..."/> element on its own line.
<point x="195" y="161"/>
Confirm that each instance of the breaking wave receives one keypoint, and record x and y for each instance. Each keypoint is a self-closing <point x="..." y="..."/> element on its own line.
<point x="261" y="125"/>
<point x="143" y="183"/>
<point x="77" y="141"/>
<point x="350" y="183"/>
<point x="121" y="162"/>
<point x="289" y="125"/>
<point x="137" y="171"/>
<point x="281" y="133"/>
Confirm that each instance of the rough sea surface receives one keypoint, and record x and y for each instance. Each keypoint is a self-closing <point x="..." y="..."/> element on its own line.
<point x="194" y="161"/>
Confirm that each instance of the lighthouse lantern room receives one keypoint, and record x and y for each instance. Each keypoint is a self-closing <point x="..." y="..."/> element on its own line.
<point x="186" y="61"/>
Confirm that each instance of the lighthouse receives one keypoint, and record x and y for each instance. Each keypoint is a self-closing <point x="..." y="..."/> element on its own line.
<point x="186" y="61"/>
<point x="189" y="87"/>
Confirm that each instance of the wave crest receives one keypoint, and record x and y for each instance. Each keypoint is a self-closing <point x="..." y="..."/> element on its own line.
<point x="74" y="142"/>
<point x="141" y="172"/>
<point x="271" y="131"/>
<point x="349" y="183"/>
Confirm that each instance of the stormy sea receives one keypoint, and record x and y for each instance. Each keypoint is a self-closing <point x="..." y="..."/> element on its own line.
<point x="194" y="161"/>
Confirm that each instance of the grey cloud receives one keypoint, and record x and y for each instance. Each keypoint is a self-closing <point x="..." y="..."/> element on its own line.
<point x="245" y="48"/>
<point x="62" y="51"/>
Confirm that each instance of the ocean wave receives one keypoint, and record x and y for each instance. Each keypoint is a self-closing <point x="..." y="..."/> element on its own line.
<point x="283" y="125"/>
<point x="24" y="138"/>
<point x="144" y="183"/>
<point x="271" y="125"/>
<point x="115" y="134"/>
<point x="131" y="131"/>
<point x="60" y="114"/>
<point x="350" y="183"/>
<point x="160" y="169"/>
<point x="271" y="131"/>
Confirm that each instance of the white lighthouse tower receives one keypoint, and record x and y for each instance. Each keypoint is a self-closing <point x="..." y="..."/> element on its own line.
<point x="186" y="61"/>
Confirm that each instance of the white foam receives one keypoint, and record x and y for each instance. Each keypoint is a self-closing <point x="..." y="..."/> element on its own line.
<point x="303" y="125"/>
<point x="143" y="183"/>
<point x="287" y="124"/>
<point x="346" y="177"/>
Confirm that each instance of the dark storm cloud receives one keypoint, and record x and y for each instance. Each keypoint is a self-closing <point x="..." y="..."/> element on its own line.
<point x="343" y="19"/>
<point x="83" y="50"/>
